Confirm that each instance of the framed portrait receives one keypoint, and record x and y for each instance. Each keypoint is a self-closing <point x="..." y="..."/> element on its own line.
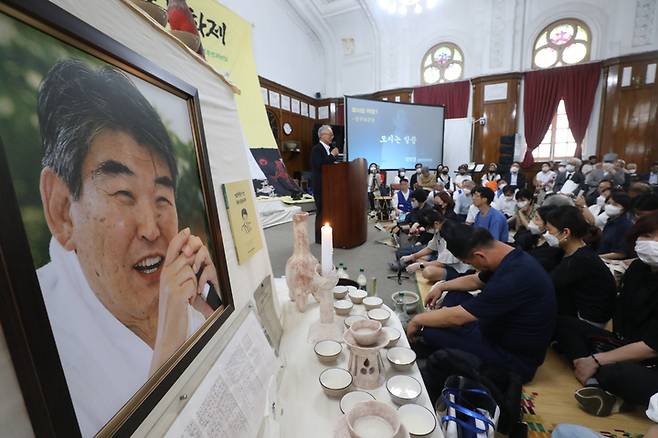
<point x="113" y="274"/>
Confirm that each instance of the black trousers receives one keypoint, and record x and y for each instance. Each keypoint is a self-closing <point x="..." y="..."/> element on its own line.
<point x="632" y="381"/>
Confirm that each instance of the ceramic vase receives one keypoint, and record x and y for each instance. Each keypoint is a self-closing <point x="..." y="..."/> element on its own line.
<point x="301" y="266"/>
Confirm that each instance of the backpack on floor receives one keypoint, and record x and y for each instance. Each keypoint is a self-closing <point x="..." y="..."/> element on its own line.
<point x="467" y="410"/>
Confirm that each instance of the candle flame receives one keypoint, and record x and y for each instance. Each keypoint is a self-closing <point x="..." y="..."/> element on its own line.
<point x="326" y="224"/>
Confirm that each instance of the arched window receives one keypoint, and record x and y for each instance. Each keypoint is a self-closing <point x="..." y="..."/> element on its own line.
<point x="563" y="42"/>
<point x="442" y="63"/>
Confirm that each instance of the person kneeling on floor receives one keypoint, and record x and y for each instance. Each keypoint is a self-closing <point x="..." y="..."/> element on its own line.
<point x="509" y="324"/>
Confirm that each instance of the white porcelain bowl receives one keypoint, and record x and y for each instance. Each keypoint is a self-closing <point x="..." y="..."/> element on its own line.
<point x="335" y="381"/>
<point x="401" y="358"/>
<point x="403" y="389"/>
<point x="380" y="315"/>
<point x="353" y="397"/>
<point x="352" y="319"/>
<point x="417" y="420"/>
<point x="372" y="302"/>
<point x="343" y="307"/>
<point x="340" y="292"/>
<point x="410" y="300"/>
<point x="393" y="336"/>
<point x="373" y="419"/>
<point x="328" y="351"/>
<point x="351" y="289"/>
<point x="366" y="332"/>
<point x="357" y="295"/>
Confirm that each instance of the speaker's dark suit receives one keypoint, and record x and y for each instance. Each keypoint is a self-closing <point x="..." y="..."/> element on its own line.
<point x="319" y="157"/>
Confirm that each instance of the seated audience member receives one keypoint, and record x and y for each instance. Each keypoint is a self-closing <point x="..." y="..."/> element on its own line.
<point x="652" y="176"/>
<point x="571" y="173"/>
<point x="506" y="203"/>
<point x="444" y="204"/>
<point x="619" y="365"/>
<point x="638" y="188"/>
<point x="620" y="167"/>
<point x="402" y="173"/>
<point x="401" y="202"/>
<point x="512" y="318"/>
<point x="606" y="170"/>
<point x="444" y="177"/>
<point x="584" y="286"/>
<point x="418" y="204"/>
<point x="535" y="244"/>
<point x="438" y="188"/>
<point x="589" y="165"/>
<point x="499" y="189"/>
<point x="444" y="265"/>
<point x="594" y="197"/>
<point x="414" y="178"/>
<point x="426" y="179"/>
<point x="595" y="214"/>
<point x="545" y="179"/>
<point x="515" y="177"/>
<point x="491" y="175"/>
<point x="374" y="181"/>
<point x="631" y="170"/>
<point x="464" y="198"/>
<point x="617" y="209"/>
<point x="487" y="216"/>
<point x="525" y="203"/>
<point x="462" y="176"/>
<point x="645" y="204"/>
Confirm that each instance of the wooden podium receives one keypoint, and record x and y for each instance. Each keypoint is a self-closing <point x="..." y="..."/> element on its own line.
<point x="344" y="202"/>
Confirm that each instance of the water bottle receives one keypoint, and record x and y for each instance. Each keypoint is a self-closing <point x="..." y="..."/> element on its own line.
<point x="341" y="271"/>
<point x="362" y="280"/>
<point x="346" y="273"/>
<point x="373" y="287"/>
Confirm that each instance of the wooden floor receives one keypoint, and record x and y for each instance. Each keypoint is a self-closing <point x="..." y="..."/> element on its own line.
<point x="548" y="399"/>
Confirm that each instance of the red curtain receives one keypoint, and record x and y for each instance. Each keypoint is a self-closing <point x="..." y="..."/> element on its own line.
<point x="340" y="114"/>
<point x="453" y="95"/>
<point x="578" y="90"/>
<point x="543" y="90"/>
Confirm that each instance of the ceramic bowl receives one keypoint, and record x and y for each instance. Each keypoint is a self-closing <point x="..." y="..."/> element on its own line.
<point x="417" y="420"/>
<point x="373" y="419"/>
<point x="335" y="381"/>
<point x="340" y="292"/>
<point x="328" y="351"/>
<point x="352" y="319"/>
<point x="343" y="307"/>
<point x="380" y="315"/>
<point x="351" y="288"/>
<point x="410" y="300"/>
<point x="353" y="397"/>
<point x="366" y="332"/>
<point x="403" y="389"/>
<point x="393" y="336"/>
<point x="372" y="302"/>
<point x="357" y="296"/>
<point x="401" y="358"/>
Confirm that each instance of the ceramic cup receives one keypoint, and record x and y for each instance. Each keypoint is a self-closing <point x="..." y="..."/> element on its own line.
<point x="417" y="420"/>
<point x="366" y="332"/>
<point x="373" y="419"/>
<point x="343" y="307"/>
<point x="353" y="397"/>
<point x="403" y="389"/>
<point x="328" y="351"/>
<point x="380" y="315"/>
<point x="393" y="335"/>
<point x="340" y="292"/>
<point x="357" y="295"/>
<point x="352" y="319"/>
<point x="372" y="302"/>
<point x="335" y="381"/>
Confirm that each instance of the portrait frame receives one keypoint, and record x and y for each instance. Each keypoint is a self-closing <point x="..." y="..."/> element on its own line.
<point x="23" y="313"/>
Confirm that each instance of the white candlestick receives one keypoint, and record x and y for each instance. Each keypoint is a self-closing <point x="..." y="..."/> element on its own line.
<point x="327" y="249"/>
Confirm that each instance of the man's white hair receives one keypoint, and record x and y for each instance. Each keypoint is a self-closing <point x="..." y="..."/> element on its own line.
<point x="324" y="128"/>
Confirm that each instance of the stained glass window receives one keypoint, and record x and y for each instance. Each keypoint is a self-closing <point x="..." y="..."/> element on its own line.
<point x="558" y="143"/>
<point x="564" y="42"/>
<point x="442" y="63"/>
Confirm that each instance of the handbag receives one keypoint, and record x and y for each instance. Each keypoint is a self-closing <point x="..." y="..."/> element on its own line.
<point x="467" y="409"/>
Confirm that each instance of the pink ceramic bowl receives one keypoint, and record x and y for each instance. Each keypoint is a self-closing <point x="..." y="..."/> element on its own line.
<point x="373" y="418"/>
<point x="366" y="332"/>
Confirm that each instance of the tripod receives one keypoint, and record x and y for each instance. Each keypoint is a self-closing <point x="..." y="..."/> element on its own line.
<point x="399" y="276"/>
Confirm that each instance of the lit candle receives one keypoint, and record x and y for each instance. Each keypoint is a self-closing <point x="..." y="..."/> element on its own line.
<point x="327" y="249"/>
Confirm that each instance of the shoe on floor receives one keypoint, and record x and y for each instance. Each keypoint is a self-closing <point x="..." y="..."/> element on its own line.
<point x="595" y="401"/>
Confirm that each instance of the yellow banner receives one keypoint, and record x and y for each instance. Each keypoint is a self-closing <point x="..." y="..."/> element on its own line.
<point x="243" y="219"/>
<point x="226" y="39"/>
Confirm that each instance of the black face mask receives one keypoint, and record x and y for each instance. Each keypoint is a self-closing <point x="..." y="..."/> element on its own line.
<point x="445" y="172"/>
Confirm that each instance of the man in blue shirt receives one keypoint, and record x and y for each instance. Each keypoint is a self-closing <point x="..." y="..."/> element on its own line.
<point x="510" y="323"/>
<point x="488" y="217"/>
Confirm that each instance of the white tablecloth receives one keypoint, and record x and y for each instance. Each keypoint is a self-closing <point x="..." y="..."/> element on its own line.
<point x="307" y="411"/>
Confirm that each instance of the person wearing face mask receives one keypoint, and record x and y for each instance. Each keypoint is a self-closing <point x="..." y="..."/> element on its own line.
<point x="506" y="203"/>
<point x="525" y="203"/>
<point x="571" y="173"/>
<point x="606" y="170"/>
<point x="401" y="202"/>
<point x="613" y="245"/>
<point x="402" y="174"/>
<point x="595" y="214"/>
<point x="444" y="204"/>
<point x="515" y="177"/>
<point x="444" y="265"/>
<point x="462" y="175"/>
<point x="621" y="365"/>
<point x="545" y="179"/>
<point x="426" y="179"/>
<point x="509" y="324"/>
<point x="463" y="199"/>
<point x="414" y="178"/>
<point x="444" y="177"/>
<point x="593" y="198"/>
<point x="374" y="181"/>
<point x="547" y="256"/>
<point x="491" y="175"/>
<point x="584" y="286"/>
<point x="652" y="176"/>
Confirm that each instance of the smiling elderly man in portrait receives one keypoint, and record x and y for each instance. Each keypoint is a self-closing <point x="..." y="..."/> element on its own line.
<point x="123" y="289"/>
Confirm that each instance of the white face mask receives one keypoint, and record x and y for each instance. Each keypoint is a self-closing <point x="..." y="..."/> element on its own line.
<point x="401" y="174"/>
<point x="562" y="168"/>
<point x="414" y="203"/>
<point x="467" y="191"/>
<point x="534" y="228"/>
<point x="418" y="170"/>
<point x="571" y="168"/>
<point x="600" y="201"/>
<point x="514" y="169"/>
<point x="551" y="240"/>
<point x="373" y="170"/>
<point x="612" y="210"/>
<point x="502" y="186"/>
<point x="647" y="251"/>
<point x="522" y="204"/>
<point x="508" y="198"/>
